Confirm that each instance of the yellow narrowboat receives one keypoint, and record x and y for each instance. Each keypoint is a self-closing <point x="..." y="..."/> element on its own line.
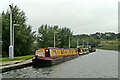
<point x="51" y="56"/>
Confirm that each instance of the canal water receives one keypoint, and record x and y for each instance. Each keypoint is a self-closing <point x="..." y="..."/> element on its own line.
<point x="99" y="64"/>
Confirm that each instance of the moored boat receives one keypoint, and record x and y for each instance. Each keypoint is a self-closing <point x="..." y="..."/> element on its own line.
<point x="82" y="51"/>
<point x="52" y="56"/>
<point x="92" y="50"/>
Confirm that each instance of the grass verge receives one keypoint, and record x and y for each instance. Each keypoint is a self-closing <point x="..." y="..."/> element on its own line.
<point x="17" y="58"/>
<point x="110" y="47"/>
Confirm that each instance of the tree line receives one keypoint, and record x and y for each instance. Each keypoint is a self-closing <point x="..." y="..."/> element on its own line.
<point x="96" y="38"/>
<point x="27" y="41"/>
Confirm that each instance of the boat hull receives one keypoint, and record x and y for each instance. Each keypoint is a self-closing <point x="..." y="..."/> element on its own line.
<point x="92" y="50"/>
<point x="43" y="62"/>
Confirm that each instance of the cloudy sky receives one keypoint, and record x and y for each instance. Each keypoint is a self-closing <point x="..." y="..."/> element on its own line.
<point x="81" y="16"/>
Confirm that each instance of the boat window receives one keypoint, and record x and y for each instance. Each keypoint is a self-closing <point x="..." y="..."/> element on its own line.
<point x="40" y="52"/>
<point x="54" y="52"/>
<point x="72" y="52"/>
<point x="46" y="50"/>
<point x="62" y="52"/>
<point x="65" y="52"/>
<point x="69" y="52"/>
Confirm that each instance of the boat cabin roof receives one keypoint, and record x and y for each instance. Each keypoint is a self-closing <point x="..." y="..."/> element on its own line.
<point x="57" y="48"/>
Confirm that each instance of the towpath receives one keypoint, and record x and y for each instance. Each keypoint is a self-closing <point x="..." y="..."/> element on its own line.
<point x="9" y="65"/>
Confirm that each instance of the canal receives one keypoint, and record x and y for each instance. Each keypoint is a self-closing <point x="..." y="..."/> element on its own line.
<point x="99" y="64"/>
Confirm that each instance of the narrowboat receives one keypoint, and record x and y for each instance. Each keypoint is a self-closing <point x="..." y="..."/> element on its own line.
<point x="52" y="56"/>
<point x="82" y="51"/>
<point x="92" y="50"/>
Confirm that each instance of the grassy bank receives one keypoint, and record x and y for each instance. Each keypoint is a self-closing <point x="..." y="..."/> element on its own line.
<point x="17" y="58"/>
<point x="112" y="47"/>
<point x="109" y="45"/>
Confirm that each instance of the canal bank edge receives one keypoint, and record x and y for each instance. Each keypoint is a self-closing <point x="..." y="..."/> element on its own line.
<point x="15" y="65"/>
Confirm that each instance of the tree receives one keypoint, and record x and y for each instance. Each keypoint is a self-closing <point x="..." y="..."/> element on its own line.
<point x="24" y="37"/>
<point x="64" y="35"/>
<point x="46" y="36"/>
